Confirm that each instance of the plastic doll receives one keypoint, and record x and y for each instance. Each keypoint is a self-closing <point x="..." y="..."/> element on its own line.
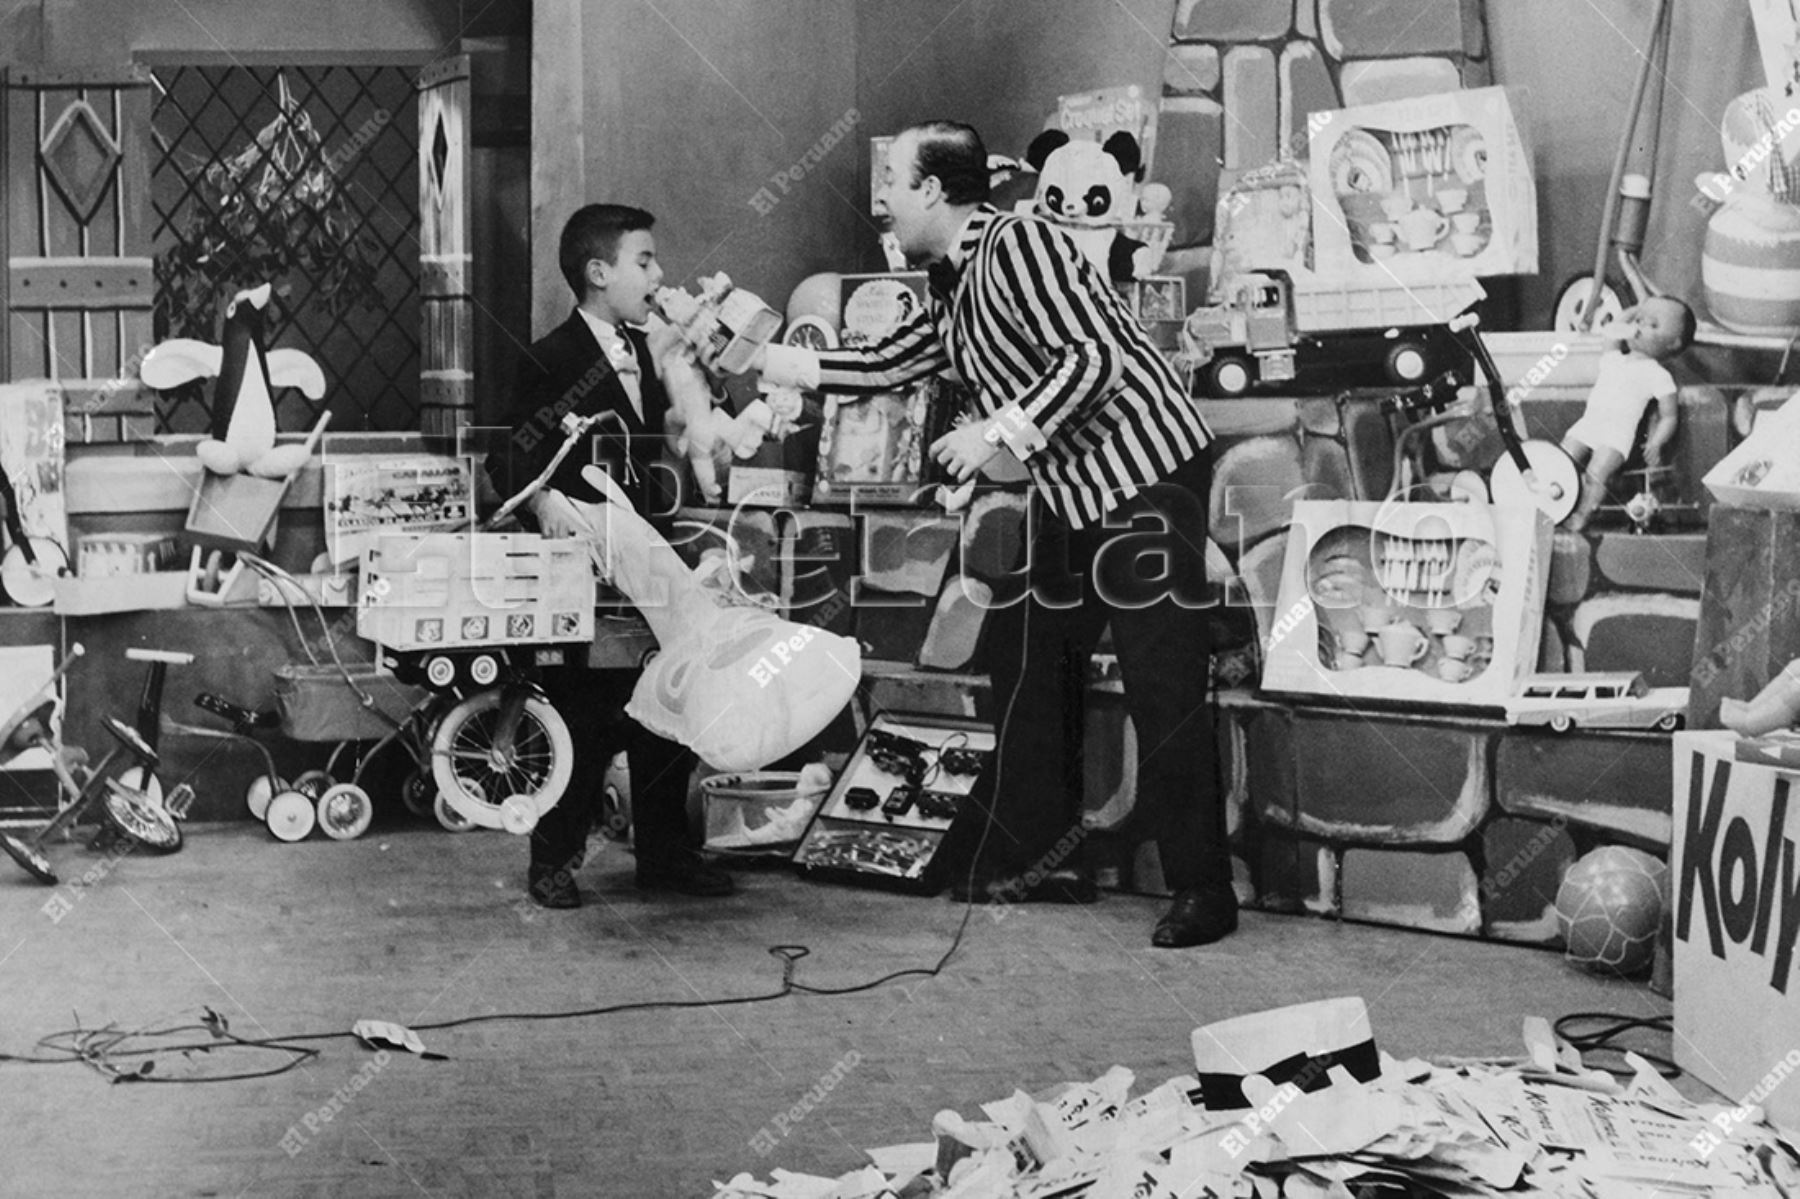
<point x="1629" y="378"/>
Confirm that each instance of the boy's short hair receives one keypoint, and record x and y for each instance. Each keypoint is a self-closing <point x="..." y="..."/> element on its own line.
<point x="954" y="153"/>
<point x="594" y="232"/>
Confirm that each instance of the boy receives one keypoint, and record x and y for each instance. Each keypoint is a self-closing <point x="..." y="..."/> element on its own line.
<point x="599" y="360"/>
<point x="1628" y="379"/>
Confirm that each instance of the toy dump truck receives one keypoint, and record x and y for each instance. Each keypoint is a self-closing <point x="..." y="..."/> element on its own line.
<point x="1271" y="326"/>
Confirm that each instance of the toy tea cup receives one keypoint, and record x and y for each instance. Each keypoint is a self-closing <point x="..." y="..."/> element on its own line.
<point x="1423" y="228"/>
<point x="1453" y="670"/>
<point x="1458" y="647"/>
<point x="1402" y="644"/>
<point x="1353" y="640"/>
<point x="1396" y="204"/>
<point x="1443" y="621"/>
<point x="1466" y="222"/>
<point x="1451" y="199"/>
<point x="1376" y="616"/>
<point x="1465" y="245"/>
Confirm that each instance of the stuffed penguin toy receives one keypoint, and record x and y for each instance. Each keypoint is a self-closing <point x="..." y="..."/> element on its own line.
<point x="1091" y="189"/>
<point x="243" y="407"/>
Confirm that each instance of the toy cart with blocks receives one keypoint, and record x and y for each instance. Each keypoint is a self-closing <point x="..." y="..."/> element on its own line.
<point x="469" y="615"/>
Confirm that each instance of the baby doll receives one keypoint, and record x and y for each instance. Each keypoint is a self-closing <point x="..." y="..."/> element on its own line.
<point x="1629" y="377"/>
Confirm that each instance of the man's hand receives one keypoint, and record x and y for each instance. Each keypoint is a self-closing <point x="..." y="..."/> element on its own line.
<point x="966" y="449"/>
<point x="557" y="516"/>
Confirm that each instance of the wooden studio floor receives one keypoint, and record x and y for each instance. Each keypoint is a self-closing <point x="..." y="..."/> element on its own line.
<point x="415" y="925"/>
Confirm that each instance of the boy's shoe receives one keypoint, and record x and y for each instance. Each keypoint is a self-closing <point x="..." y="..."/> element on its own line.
<point x="553" y="889"/>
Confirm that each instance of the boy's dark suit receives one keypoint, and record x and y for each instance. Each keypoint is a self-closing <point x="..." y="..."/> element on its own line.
<point x="567" y="371"/>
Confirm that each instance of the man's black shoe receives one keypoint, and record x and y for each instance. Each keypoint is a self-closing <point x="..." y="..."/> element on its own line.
<point x="687" y="875"/>
<point x="1196" y="918"/>
<point x="1067" y="885"/>
<point x="553" y="889"/>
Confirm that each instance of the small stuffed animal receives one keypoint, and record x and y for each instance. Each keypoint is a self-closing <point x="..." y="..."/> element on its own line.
<point x="243" y="408"/>
<point x="1091" y="189"/>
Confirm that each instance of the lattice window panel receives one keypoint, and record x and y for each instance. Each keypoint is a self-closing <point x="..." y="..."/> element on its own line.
<point x="366" y="119"/>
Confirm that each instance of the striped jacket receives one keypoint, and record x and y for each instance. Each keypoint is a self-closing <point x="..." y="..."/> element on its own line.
<point x="1091" y="406"/>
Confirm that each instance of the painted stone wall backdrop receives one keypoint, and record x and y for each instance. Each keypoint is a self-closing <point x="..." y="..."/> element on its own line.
<point x="1243" y="75"/>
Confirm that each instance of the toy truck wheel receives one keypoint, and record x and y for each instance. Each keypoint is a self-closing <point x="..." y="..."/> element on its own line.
<point x="483" y="670"/>
<point x="345" y="812"/>
<point x="1229" y="375"/>
<point x="1668" y="722"/>
<point x="1407" y="362"/>
<point x="1562" y="722"/>
<point x="440" y="671"/>
<point x="290" y="816"/>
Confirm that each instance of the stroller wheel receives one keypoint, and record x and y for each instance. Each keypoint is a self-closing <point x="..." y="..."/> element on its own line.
<point x="418" y="792"/>
<point x="262" y="787"/>
<point x="345" y="812"/>
<point x="290" y="816"/>
<point x="313" y="783"/>
<point x="449" y="817"/>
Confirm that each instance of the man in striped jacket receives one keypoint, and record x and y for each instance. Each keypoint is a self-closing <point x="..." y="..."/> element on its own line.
<point x="1069" y="383"/>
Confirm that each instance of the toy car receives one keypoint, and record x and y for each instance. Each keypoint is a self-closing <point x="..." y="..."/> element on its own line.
<point x="1611" y="700"/>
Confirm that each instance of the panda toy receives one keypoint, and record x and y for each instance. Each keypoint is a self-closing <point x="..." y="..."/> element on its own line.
<point x="1090" y="189"/>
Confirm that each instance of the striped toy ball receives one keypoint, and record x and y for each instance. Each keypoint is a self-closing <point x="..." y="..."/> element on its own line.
<point x="1750" y="266"/>
<point x="1608" y="909"/>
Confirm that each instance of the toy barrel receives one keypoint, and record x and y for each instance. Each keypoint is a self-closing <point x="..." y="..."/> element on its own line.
<point x="1750" y="268"/>
<point x="758" y="812"/>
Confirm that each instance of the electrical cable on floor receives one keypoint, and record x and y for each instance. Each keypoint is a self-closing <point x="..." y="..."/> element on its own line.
<point x="1609" y="1026"/>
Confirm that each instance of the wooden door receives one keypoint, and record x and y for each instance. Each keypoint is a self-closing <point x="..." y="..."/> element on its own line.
<point x="78" y="289"/>
<point x="446" y="353"/>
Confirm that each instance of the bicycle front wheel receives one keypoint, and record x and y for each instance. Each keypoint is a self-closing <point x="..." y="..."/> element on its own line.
<point x="479" y="765"/>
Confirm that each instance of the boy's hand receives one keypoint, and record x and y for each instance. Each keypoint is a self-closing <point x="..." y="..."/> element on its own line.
<point x="556" y="515"/>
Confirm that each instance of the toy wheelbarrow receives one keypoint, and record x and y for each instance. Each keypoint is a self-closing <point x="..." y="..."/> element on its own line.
<point x="234" y="514"/>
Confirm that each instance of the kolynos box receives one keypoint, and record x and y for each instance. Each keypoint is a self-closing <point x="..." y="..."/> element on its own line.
<point x="1416" y="603"/>
<point x="1734" y="874"/>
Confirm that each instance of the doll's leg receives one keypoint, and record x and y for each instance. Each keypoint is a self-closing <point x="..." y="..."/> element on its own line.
<point x="1594" y="481"/>
<point x="1775" y="707"/>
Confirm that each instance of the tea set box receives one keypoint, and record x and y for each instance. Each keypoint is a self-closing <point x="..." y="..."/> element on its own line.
<point x="1423" y="189"/>
<point x="1414" y="603"/>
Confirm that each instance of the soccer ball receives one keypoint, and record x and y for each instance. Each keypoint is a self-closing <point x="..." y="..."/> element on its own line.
<point x="1609" y="907"/>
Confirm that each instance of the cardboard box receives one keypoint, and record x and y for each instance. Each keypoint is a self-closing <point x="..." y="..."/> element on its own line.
<point x="911" y="778"/>
<point x="1736" y="856"/>
<point x="1383" y="600"/>
<point x="1763" y="471"/>
<point x="1426" y="188"/>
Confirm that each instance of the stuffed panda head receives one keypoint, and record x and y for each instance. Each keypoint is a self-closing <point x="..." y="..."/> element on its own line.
<point x="1085" y="182"/>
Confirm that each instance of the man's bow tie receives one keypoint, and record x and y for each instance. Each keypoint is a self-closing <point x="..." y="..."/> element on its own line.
<point x="943" y="277"/>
